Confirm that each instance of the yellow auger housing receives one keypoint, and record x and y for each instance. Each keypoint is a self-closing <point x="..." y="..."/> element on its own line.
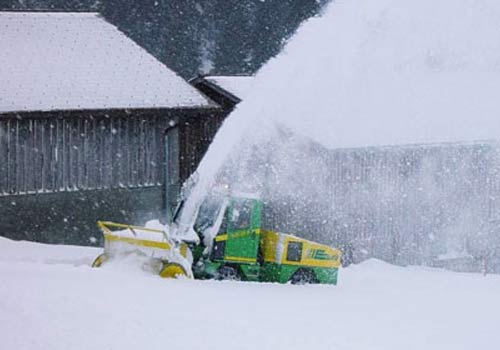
<point x="166" y="256"/>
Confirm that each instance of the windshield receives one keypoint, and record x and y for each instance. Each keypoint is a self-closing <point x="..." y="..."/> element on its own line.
<point x="207" y="214"/>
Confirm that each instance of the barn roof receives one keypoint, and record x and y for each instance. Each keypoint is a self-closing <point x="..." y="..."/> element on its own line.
<point x="72" y="61"/>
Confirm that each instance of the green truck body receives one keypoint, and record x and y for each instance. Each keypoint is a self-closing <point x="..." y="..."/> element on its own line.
<point x="242" y="249"/>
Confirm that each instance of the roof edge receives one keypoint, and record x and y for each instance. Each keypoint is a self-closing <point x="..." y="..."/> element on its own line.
<point x="49" y="11"/>
<point x="217" y="88"/>
<point x="190" y="109"/>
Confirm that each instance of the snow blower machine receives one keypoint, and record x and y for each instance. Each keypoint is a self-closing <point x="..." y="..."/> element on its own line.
<point x="224" y="240"/>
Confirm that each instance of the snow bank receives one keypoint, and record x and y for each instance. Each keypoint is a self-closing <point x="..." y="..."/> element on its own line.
<point x="375" y="306"/>
<point x="37" y="253"/>
<point x="59" y="61"/>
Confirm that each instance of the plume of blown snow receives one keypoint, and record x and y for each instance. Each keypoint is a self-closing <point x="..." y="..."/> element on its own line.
<point x="384" y="72"/>
<point x="365" y="73"/>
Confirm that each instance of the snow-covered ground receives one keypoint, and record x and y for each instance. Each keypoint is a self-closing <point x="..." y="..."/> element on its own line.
<point x="50" y="298"/>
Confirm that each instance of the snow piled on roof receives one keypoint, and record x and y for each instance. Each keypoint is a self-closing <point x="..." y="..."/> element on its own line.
<point x="67" y="61"/>
<point x="237" y="85"/>
<point x="387" y="72"/>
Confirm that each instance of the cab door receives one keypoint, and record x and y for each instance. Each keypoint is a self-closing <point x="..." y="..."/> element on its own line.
<point x="243" y="230"/>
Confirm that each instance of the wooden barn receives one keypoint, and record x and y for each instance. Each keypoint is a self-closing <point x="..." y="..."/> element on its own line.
<point x="91" y="127"/>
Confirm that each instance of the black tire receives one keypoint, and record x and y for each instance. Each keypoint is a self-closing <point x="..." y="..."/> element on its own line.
<point x="228" y="273"/>
<point x="304" y="276"/>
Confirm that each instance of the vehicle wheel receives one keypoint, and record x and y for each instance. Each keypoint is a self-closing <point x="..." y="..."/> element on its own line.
<point x="304" y="277"/>
<point x="172" y="270"/>
<point x="100" y="260"/>
<point x="229" y="273"/>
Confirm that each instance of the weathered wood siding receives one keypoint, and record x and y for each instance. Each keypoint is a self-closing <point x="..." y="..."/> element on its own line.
<point x="46" y="155"/>
<point x="69" y="169"/>
<point x="195" y="136"/>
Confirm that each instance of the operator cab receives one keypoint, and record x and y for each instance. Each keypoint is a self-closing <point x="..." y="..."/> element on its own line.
<point x="227" y="228"/>
<point x="238" y="234"/>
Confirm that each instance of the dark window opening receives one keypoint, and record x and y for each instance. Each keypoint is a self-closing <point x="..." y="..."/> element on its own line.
<point x="294" y="251"/>
<point x="218" y="250"/>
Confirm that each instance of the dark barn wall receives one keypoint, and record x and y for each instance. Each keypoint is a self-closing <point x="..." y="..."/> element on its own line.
<point x="188" y="141"/>
<point x="195" y="136"/>
<point x="62" y="171"/>
<point x="70" y="217"/>
<point x="60" y="153"/>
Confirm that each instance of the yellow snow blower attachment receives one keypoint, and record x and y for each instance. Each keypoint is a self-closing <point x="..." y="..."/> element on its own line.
<point x="161" y="253"/>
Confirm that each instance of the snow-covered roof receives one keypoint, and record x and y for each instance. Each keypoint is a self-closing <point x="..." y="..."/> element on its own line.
<point x="237" y="85"/>
<point x="68" y="61"/>
<point x="384" y="72"/>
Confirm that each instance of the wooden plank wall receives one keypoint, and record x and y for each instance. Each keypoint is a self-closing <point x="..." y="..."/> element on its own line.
<point x="195" y="136"/>
<point x="79" y="153"/>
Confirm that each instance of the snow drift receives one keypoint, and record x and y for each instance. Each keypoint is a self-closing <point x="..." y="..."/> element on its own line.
<point x="372" y="78"/>
<point x="56" y="301"/>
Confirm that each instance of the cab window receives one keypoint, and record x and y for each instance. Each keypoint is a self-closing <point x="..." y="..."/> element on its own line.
<point x="207" y="214"/>
<point x="294" y="251"/>
<point x="241" y="215"/>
